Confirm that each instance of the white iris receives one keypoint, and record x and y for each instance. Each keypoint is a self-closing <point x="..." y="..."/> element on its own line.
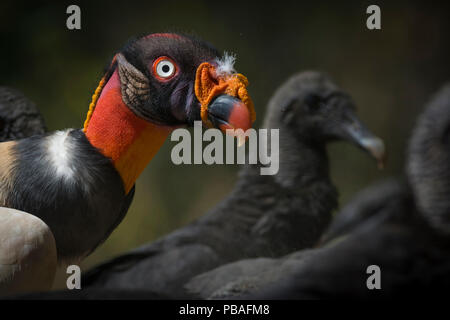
<point x="165" y="69"/>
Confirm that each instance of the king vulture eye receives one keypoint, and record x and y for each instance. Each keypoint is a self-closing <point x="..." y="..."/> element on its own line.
<point x="164" y="68"/>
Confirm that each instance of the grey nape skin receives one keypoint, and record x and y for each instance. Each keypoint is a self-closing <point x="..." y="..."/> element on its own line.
<point x="264" y="216"/>
<point x="19" y="117"/>
<point x="400" y="226"/>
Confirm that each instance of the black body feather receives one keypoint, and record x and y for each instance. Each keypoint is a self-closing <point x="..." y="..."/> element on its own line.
<point x="400" y="226"/>
<point x="82" y="209"/>
<point x="19" y="117"/>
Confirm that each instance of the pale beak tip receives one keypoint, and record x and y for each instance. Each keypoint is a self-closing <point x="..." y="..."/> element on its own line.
<point x="377" y="149"/>
<point x="241" y="140"/>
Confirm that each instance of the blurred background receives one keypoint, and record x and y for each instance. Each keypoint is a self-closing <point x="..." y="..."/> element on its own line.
<point x="389" y="72"/>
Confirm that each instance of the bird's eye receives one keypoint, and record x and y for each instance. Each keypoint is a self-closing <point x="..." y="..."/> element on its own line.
<point x="313" y="101"/>
<point x="164" y="68"/>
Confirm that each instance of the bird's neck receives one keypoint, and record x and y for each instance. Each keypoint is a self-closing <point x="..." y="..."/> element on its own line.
<point x="304" y="163"/>
<point x="428" y="163"/>
<point x="129" y="141"/>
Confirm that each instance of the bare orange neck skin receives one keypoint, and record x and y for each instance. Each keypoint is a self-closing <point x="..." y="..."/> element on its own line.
<point x="119" y="134"/>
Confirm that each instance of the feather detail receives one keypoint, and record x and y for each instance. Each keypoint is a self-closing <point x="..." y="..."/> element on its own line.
<point x="225" y="65"/>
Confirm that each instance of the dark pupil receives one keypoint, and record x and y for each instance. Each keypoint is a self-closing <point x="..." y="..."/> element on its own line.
<point x="165" y="68"/>
<point x="313" y="101"/>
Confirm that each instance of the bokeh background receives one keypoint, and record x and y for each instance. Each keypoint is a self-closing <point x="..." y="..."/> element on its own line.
<point x="390" y="73"/>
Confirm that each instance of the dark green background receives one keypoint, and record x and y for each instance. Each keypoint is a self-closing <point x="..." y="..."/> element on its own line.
<point x="390" y="74"/>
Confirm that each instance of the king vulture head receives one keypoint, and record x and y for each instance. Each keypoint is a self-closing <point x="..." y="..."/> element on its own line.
<point x="158" y="83"/>
<point x="174" y="80"/>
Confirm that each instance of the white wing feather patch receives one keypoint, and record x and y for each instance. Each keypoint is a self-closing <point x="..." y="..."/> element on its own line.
<point x="225" y="65"/>
<point x="59" y="152"/>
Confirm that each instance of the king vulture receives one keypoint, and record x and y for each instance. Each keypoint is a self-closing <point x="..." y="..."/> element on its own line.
<point x="80" y="182"/>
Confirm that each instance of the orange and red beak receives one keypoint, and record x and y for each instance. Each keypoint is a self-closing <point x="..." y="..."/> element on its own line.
<point x="225" y="102"/>
<point x="227" y="112"/>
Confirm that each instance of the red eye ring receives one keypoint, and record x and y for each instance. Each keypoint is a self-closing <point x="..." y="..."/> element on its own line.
<point x="164" y="69"/>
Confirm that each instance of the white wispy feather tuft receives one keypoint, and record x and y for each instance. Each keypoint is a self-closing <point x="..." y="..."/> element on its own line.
<point x="225" y="65"/>
<point x="60" y="153"/>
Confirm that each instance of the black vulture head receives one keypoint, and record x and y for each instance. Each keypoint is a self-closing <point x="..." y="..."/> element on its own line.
<point x="318" y="112"/>
<point x="19" y="117"/>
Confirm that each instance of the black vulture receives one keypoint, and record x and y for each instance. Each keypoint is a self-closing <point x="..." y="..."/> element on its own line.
<point x="264" y="215"/>
<point x="249" y="276"/>
<point x="19" y="117"/>
<point x="399" y="226"/>
<point x="427" y="181"/>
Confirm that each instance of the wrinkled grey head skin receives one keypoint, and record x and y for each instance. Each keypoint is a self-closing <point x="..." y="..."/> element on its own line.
<point x="316" y="110"/>
<point x="298" y="98"/>
<point x="19" y="117"/>
<point x="428" y="166"/>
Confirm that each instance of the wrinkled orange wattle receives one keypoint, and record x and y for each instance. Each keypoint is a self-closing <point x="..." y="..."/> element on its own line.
<point x="208" y="86"/>
<point x="128" y="140"/>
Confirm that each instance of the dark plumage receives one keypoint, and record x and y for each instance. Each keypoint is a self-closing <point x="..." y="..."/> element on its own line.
<point x="383" y="196"/>
<point x="264" y="215"/>
<point x="19" y="117"/>
<point x="403" y="230"/>
<point x="90" y="294"/>
<point x="91" y="219"/>
<point x="428" y="176"/>
<point x="429" y="162"/>
<point x="357" y="223"/>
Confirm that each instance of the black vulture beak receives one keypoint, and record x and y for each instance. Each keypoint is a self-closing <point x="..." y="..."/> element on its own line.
<point x="359" y="134"/>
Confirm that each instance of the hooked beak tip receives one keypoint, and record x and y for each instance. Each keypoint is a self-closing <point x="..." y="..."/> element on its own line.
<point x="376" y="148"/>
<point x="227" y="112"/>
